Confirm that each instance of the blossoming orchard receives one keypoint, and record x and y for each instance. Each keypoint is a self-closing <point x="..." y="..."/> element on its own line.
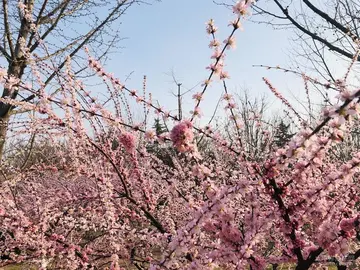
<point x="110" y="193"/>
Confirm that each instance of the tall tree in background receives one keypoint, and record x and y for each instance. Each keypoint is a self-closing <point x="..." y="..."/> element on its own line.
<point x="326" y="29"/>
<point x="52" y="30"/>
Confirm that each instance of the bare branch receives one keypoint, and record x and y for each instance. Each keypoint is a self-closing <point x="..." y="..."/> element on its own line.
<point x="64" y="5"/>
<point x="330" y="20"/>
<point x="37" y="22"/>
<point x="314" y="35"/>
<point x="7" y="28"/>
<point x="81" y="45"/>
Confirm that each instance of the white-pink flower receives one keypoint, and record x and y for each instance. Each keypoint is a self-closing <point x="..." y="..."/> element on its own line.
<point x="240" y="8"/>
<point x="196" y="112"/>
<point x="231" y="43"/>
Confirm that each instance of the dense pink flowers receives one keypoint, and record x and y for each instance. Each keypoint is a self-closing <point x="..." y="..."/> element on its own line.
<point x="182" y="136"/>
<point x="128" y="141"/>
<point x="201" y="171"/>
<point x="349" y="224"/>
<point x="131" y="198"/>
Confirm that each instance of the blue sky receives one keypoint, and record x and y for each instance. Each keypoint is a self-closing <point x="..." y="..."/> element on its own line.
<point x="170" y="35"/>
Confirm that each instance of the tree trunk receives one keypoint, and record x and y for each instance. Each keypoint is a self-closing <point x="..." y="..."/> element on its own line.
<point x="4" y="121"/>
<point x="16" y="69"/>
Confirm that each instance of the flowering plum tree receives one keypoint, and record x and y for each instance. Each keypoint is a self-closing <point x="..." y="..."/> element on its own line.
<point x="98" y="206"/>
<point x="50" y="31"/>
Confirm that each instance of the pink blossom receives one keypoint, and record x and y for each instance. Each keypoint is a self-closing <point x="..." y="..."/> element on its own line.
<point x="3" y="73"/>
<point x="128" y="141"/>
<point x="345" y="95"/>
<point x="230" y="42"/>
<point x="230" y="105"/>
<point x="347" y="224"/>
<point x="236" y="23"/>
<point x="196" y="112"/>
<point x="216" y="67"/>
<point x="214" y="43"/>
<point x="206" y="82"/>
<point x="139" y="99"/>
<point x="150" y="134"/>
<point x="240" y="8"/>
<point x="197" y="96"/>
<point x="217" y="54"/>
<point x="211" y="28"/>
<point x="227" y="97"/>
<point x="201" y="171"/>
<point x="224" y="75"/>
<point x="182" y="136"/>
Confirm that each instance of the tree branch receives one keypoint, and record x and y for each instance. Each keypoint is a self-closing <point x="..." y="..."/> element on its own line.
<point x="6" y="55"/>
<point x="52" y="27"/>
<point x="7" y="28"/>
<point x="313" y="35"/>
<point x="332" y="21"/>
<point x="88" y="37"/>
<point x="37" y="22"/>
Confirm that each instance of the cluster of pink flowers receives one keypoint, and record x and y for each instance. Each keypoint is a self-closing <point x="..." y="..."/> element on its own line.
<point x="182" y="136"/>
<point x="128" y="141"/>
<point x="201" y="171"/>
<point x="217" y="67"/>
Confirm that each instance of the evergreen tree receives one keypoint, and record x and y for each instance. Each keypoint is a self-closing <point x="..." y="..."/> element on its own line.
<point x="159" y="128"/>
<point x="282" y="134"/>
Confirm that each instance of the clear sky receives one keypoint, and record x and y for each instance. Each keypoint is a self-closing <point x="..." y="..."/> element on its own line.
<point x="170" y="35"/>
